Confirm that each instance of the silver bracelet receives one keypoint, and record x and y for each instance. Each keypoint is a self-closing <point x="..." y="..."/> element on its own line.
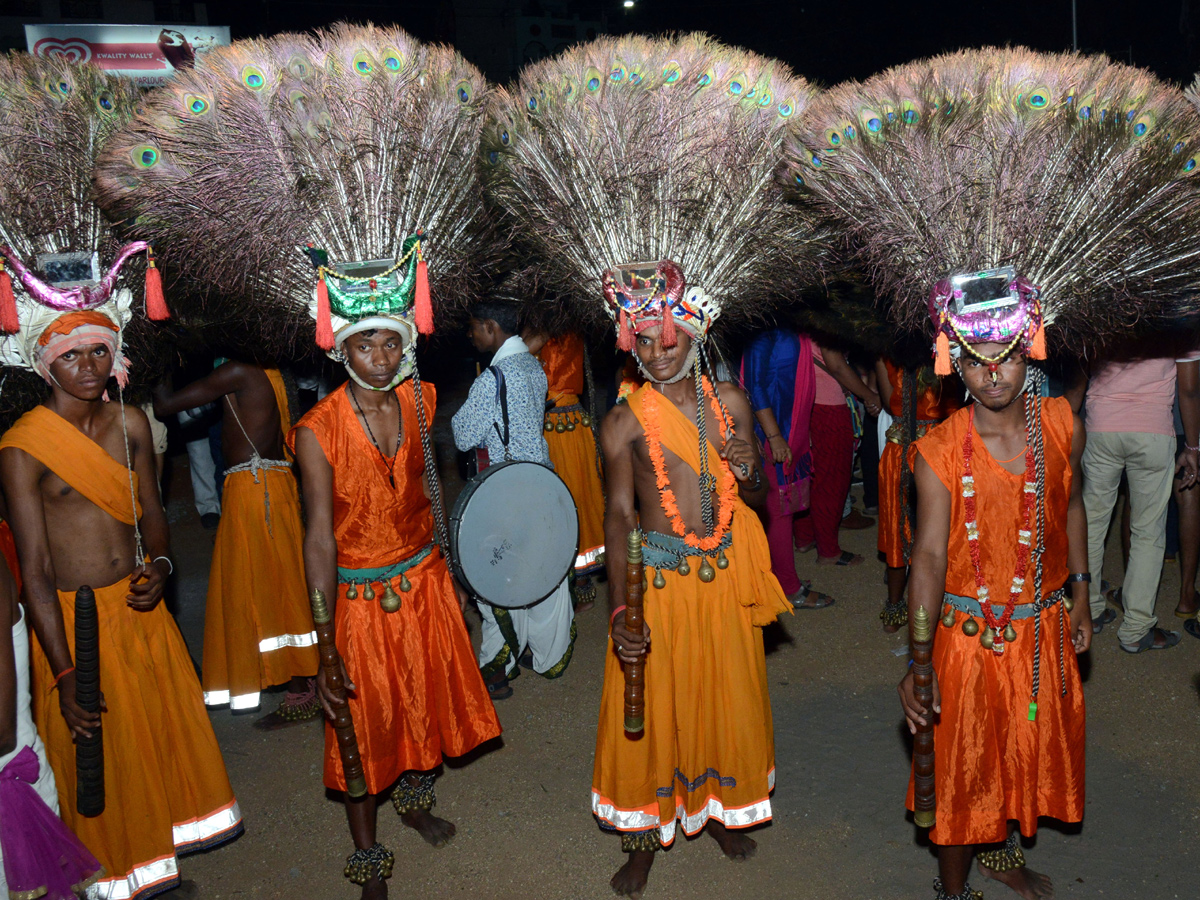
<point x="170" y="567"/>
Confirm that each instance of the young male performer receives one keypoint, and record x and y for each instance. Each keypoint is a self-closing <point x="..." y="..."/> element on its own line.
<point x="257" y="623"/>
<point x="707" y="755"/>
<point x="79" y="478"/>
<point x="415" y="694"/>
<point x="544" y="632"/>
<point x="1000" y="556"/>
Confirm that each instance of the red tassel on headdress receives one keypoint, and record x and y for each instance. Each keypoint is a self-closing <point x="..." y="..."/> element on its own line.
<point x="10" y="323"/>
<point x="1037" y="349"/>
<point x="668" y="338"/>
<point x="156" y="305"/>
<point x="422" y="305"/>
<point x="324" y="320"/>
<point x="941" y="362"/>
<point x="625" y="333"/>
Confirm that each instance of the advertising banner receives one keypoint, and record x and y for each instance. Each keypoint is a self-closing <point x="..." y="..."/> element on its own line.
<point x="146" y="53"/>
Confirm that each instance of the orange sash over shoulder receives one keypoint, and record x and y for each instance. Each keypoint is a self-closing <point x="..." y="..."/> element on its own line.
<point x="77" y="460"/>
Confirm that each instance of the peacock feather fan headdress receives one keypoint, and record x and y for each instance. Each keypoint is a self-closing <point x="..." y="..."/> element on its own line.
<point x="1065" y="181"/>
<point x="58" y="253"/>
<point x="631" y="148"/>
<point x="312" y="175"/>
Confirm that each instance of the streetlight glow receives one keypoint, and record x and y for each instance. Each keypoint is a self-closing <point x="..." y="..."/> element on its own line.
<point x="629" y="4"/>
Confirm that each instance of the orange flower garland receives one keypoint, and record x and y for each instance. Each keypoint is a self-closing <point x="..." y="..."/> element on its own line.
<point x="728" y="486"/>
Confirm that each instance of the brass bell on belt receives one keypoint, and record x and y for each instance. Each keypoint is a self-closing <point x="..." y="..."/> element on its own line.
<point x="1069" y="603"/>
<point x="549" y="425"/>
<point x="948" y="617"/>
<point x="970" y="627"/>
<point x="585" y="420"/>
<point x="659" y="581"/>
<point x="683" y="568"/>
<point x="1010" y="633"/>
<point x="368" y="592"/>
<point x="351" y="591"/>
<point x="570" y="425"/>
<point x="405" y="584"/>
<point x="707" y="573"/>
<point x="389" y="600"/>
<point x="988" y="638"/>
<point x="560" y="427"/>
<point x="722" y="562"/>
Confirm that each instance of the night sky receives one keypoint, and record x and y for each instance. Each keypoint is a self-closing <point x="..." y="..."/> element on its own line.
<point x="825" y="41"/>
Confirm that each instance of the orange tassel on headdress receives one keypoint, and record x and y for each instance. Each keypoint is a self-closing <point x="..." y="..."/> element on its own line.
<point x="1037" y="348"/>
<point x="669" y="338"/>
<point x="422" y="305"/>
<point x="941" y="362"/>
<point x="324" y="320"/>
<point x="10" y="323"/>
<point x="625" y="333"/>
<point x="156" y="304"/>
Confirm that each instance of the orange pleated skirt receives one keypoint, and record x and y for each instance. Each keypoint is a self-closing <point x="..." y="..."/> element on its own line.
<point x="708" y="750"/>
<point x="258" y="628"/>
<point x="993" y="765"/>
<point x="165" y="785"/>
<point x="418" y="692"/>
<point x="573" y="454"/>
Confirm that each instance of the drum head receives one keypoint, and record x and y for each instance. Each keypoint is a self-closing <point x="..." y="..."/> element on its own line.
<point x="514" y="534"/>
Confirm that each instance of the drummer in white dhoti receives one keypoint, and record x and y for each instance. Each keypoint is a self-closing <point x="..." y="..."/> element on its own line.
<point x="542" y="636"/>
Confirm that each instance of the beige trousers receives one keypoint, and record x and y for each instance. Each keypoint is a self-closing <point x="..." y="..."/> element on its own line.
<point x="1148" y="461"/>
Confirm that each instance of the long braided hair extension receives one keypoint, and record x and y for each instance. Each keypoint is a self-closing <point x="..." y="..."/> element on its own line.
<point x="431" y="467"/>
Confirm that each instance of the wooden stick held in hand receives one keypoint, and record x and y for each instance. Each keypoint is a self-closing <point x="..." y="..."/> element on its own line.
<point x="89" y="752"/>
<point x="343" y="724"/>
<point x="635" y="684"/>
<point x="920" y="638"/>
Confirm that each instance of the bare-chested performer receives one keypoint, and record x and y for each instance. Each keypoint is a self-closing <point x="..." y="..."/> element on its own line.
<point x="79" y="477"/>
<point x="1000" y="555"/>
<point x="682" y="467"/>
<point x="257" y="623"/>
<point x="373" y="496"/>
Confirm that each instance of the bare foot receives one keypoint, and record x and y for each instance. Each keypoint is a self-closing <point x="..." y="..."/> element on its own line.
<point x="1187" y="608"/>
<point x="1024" y="881"/>
<point x="891" y="629"/>
<point x="630" y="879"/>
<point x="436" y="832"/>
<point x="375" y="889"/>
<point x="734" y="844"/>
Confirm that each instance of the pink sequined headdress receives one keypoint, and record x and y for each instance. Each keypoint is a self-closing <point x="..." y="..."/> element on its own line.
<point x="1013" y="318"/>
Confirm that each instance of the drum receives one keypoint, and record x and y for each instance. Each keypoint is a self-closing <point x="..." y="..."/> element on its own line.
<point x="514" y="534"/>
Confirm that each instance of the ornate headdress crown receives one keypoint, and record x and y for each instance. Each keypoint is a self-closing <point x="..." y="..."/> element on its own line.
<point x="641" y="295"/>
<point x="992" y="307"/>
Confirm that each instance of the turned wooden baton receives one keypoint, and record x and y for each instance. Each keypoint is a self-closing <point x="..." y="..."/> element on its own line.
<point x="89" y="752"/>
<point x="920" y="640"/>
<point x="343" y="723"/>
<point x="635" y="680"/>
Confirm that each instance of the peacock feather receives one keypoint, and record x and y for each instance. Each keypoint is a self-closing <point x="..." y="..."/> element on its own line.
<point x="633" y="148"/>
<point x="349" y="140"/>
<point x="1074" y="169"/>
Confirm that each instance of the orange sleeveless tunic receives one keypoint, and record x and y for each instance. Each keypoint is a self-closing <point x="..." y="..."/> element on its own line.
<point x="419" y="693"/>
<point x="993" y="765"/>
<point x="573" y="452"/>
<point x="933" y="404"/>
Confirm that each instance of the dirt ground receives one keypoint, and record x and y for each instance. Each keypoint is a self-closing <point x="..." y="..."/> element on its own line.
<point x="840" y="830"/>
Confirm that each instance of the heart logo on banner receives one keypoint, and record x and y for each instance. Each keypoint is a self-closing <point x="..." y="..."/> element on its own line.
<point x="75" y="49"/>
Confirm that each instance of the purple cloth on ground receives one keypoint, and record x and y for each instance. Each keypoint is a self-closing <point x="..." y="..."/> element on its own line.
<point x="40" y="852"/>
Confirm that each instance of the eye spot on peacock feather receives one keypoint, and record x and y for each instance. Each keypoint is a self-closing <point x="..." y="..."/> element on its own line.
<point x="1143" y="125"/>
<point x="764" y="99"/>
<point x="493" y="157"/>
<point x="672" y="72"/>
<point x="532" y="104"/>
<point x="104" y="102"/>
<point x="704" y="79"/>
<point x="1038" y="99"/>
<point x="145" y="157"/>
<point x="786" y="108"/>
<point x="833" y="137"/>
<point x="1189" y="167"/>
<point x="798" y="179"/>
<point x="393" y="60"/>
<point x="911" y="117"/>
<point x="635" y="78"/>
<point x="505" y="138"/>
<point x="362" y="63"/>
<point x="1177" y="148"/>
<point x="253" y="78"/>
<point x="196" y="105"/>
<point x="464" y="92"/>
<point x="59" y="88"/>
<point x="737" y="84"/>
<point x="592" y="79"/>
<point x="300" y="67"/>
<point x="617" y="73"/>
<point x="850" y="132"/>
<point x="816" y="161"/>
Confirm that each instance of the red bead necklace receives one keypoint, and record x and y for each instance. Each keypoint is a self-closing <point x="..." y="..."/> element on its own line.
<point x="1024" y="537"/>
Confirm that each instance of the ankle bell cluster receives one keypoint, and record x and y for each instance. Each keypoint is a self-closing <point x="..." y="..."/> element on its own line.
<point x="1006" y="858"/>
<point x="412" y="798"/>
<point x="363" y="865"/>
<point x="641" y="841"/>
<point x="967" y="892"/>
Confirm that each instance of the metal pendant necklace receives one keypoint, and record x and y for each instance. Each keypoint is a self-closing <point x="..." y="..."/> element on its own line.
<point x="390" y="463"/>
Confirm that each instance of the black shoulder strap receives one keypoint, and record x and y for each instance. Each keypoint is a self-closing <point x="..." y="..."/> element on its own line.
<point x="502" y="398"/>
